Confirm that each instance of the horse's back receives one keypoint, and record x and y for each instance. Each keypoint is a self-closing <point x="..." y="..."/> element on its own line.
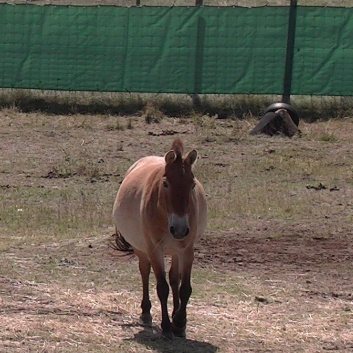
<point x="127" y="207"/>
<point x="202" y="209"/>
<point x="145" y="165"/>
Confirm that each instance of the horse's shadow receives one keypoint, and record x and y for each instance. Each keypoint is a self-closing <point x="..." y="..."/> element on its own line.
<point x="152" y="338"/>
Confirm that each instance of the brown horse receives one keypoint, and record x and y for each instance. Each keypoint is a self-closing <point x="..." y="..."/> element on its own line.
<point x="160" y="209"/>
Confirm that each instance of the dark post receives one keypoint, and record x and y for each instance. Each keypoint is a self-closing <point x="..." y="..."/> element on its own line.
<point x="287" y="82"/>
<point x="138" y="2"/>
<point x="198" y="65"/>
<point x="200" y="43"/>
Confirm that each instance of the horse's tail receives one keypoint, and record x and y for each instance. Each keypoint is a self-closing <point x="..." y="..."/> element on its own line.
<point x="118" y="242"/>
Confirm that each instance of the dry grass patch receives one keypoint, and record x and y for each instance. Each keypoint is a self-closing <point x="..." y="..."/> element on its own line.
<point x="272" y="274"/>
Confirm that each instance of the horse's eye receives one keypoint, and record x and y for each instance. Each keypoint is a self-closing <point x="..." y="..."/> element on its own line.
<point x="165" y="184"/>
<point x="193" y="185"/>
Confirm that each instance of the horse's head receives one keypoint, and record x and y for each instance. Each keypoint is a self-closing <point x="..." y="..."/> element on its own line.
<point x="178" y="183"/>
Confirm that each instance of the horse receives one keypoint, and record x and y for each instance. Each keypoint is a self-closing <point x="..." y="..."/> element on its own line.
<point x="160" y="210"/>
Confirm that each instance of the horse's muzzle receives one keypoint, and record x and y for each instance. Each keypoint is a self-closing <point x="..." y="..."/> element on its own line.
<point x="178" y="226"/>
<point x="179" y="234"/>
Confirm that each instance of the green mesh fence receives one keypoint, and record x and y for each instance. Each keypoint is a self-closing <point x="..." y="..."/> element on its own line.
<point x="226" y="50"/>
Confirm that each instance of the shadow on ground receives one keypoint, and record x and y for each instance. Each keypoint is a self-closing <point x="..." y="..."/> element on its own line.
<point x="153" y="339"/>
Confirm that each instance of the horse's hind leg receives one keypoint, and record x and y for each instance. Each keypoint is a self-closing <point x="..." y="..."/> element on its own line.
<point x="157" y="262"/>
<point x="145" y="270"/>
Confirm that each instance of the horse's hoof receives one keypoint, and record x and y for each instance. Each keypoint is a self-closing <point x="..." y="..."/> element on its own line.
<point x="146" y="319"/>
<point x="168" y="335"/>
<point x="179" y="331"/>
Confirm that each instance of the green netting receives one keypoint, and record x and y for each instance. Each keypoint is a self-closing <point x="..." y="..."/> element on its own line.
<point x="323" y="58"/>
<point x="230" y="50"/>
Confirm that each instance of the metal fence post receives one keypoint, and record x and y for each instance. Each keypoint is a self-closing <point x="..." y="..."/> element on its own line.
<point x="199" y="59"/>
<point x="287" y="82"/>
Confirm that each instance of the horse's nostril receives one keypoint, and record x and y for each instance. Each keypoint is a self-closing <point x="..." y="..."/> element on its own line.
<point x="179" y="233"/>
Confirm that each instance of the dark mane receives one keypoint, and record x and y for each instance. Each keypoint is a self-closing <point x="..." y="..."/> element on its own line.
<point x="178" y="147"/>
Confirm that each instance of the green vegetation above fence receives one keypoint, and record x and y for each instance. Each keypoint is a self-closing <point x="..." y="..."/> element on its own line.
<point x="244" y="3"/>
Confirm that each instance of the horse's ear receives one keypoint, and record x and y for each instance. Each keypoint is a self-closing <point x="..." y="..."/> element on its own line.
<point x="170" y="157"/>
<point x="191" y="158"/>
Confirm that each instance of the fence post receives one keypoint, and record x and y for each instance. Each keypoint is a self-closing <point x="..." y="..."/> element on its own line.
<point x="287" y="82"/>
<point x="200" y="44"/>
<point x="199" y="57"/>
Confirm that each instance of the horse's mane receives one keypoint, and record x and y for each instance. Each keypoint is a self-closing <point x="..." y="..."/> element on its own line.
<point x="178" y="147"/>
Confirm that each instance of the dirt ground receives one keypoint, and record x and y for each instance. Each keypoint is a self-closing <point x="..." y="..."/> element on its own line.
<point x="318" y="261"/>
<point x="312" y="258"/>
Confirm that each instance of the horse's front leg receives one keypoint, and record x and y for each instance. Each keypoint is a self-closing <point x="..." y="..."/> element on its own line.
<point x="157" y="262"/>
<point x="179" y="318"/>
<point x="174" y="281"/>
